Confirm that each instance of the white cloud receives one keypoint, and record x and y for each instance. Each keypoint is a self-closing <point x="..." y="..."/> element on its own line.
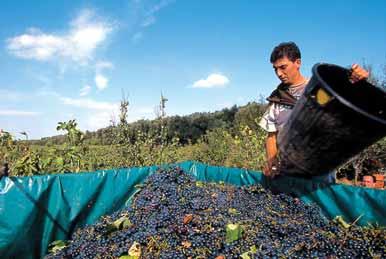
<point x="149" y="16"/>
<point x="78" y="44"/>
<point x="162" y="4"/>
<point x="38" y="46"/>
<point x="144" y="15"/>
<point x="85" y="90"/>
<point x="17" y="113"/>
<point x="145" y="110"/>
<point x="102" y="119"/>
<point x="89" y="104"/>
<point x="101" y="81"/>
<point x="99" y="120"/>
<point x="212" y="81"/>
<point x="47" y="92"/>
<point x="101" y="65"/>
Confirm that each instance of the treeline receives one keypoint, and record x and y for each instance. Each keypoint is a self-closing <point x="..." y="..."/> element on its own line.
<point x="230" y="137"/>
<point x="188" y="129"/>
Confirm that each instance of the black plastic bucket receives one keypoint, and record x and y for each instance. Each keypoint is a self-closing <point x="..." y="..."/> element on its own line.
<point x="331" y="122"/>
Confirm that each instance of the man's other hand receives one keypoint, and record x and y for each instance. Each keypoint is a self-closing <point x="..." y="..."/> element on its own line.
<point x="271" y="169"/>
<point x="358" y="73"/>
<point x="267" y="170"/>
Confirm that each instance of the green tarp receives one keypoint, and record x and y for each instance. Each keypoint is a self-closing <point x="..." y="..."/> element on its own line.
<point x="36" y="210"/>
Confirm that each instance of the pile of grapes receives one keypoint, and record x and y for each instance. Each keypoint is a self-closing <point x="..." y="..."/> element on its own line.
<point x="174" y="216"/>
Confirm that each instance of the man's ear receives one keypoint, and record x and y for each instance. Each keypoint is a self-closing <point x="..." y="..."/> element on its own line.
<point x="298" y="62"/>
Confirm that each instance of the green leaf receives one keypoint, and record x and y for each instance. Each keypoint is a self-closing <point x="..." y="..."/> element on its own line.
<point x="342" y="222"/>
<point x="60" y="161"/>
<point x="56" y="246"/>
<point x="128" y="257"/>
<point x="110" y="228"/>
<point x="58" y="242"/>
<point x="233" y="211"/>
<point x="233" y="233"/>
<point x="119" y="224"/>
<point x="139" y="186"/>
<point x="245" y="255"/>
<point x="199" y="184"/>
<point x="126" y="223"/>
<point x="253" y="249"/>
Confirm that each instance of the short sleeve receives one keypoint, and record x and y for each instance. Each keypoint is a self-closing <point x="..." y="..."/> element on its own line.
<point x="268" y="121"/>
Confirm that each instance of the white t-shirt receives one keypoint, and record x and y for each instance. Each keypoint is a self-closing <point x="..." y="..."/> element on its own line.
<point x="276" y="114"/>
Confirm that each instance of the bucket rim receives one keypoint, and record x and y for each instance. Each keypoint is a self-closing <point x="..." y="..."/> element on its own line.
<point x="340" y="98"/>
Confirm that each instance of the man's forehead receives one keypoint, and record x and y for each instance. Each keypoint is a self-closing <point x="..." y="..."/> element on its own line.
<point x="281" y="62"/>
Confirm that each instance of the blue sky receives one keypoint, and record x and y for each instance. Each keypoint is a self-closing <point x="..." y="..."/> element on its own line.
<point x="71" y="59"/>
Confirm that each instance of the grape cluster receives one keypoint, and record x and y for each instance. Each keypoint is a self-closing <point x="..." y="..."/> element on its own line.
<point x="174" y="216"/>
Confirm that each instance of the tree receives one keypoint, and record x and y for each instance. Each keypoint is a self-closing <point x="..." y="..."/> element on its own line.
<point x="5" y="138"/>
<point x="123" y="131"/>
<point x="74" y="135"/>
<point x="246" y="115"/>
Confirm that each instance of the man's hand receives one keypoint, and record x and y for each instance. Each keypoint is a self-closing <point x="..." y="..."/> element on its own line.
<point x="267" y="170"/>
<point x="271" y="149"/>
<point x="271" y="169"/>
<point x="358" y="73"/>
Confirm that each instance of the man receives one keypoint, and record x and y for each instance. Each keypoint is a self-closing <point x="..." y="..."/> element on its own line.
<point x="286" y="61"/>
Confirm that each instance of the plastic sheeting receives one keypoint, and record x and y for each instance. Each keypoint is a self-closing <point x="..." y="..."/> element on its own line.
<point x="36" y="210"/>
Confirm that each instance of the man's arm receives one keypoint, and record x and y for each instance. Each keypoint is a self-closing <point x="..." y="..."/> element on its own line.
<point x="268" y="123"/>
<point x="271" y="152"/>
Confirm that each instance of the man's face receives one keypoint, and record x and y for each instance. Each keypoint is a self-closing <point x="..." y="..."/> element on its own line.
<point x="286" y="70"/>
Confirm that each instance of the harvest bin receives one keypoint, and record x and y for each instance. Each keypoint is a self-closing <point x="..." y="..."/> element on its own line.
<point x="332" y="121"/>
<point x="36" y="210"/>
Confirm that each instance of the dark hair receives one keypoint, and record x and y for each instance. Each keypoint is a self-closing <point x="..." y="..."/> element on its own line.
<point x="285" y="49"/>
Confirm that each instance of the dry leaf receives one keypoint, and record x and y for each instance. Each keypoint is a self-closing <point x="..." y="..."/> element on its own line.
<point x="188" y="218"/>
<point x="186" y="244"/>
<point x="135" y="250"/>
